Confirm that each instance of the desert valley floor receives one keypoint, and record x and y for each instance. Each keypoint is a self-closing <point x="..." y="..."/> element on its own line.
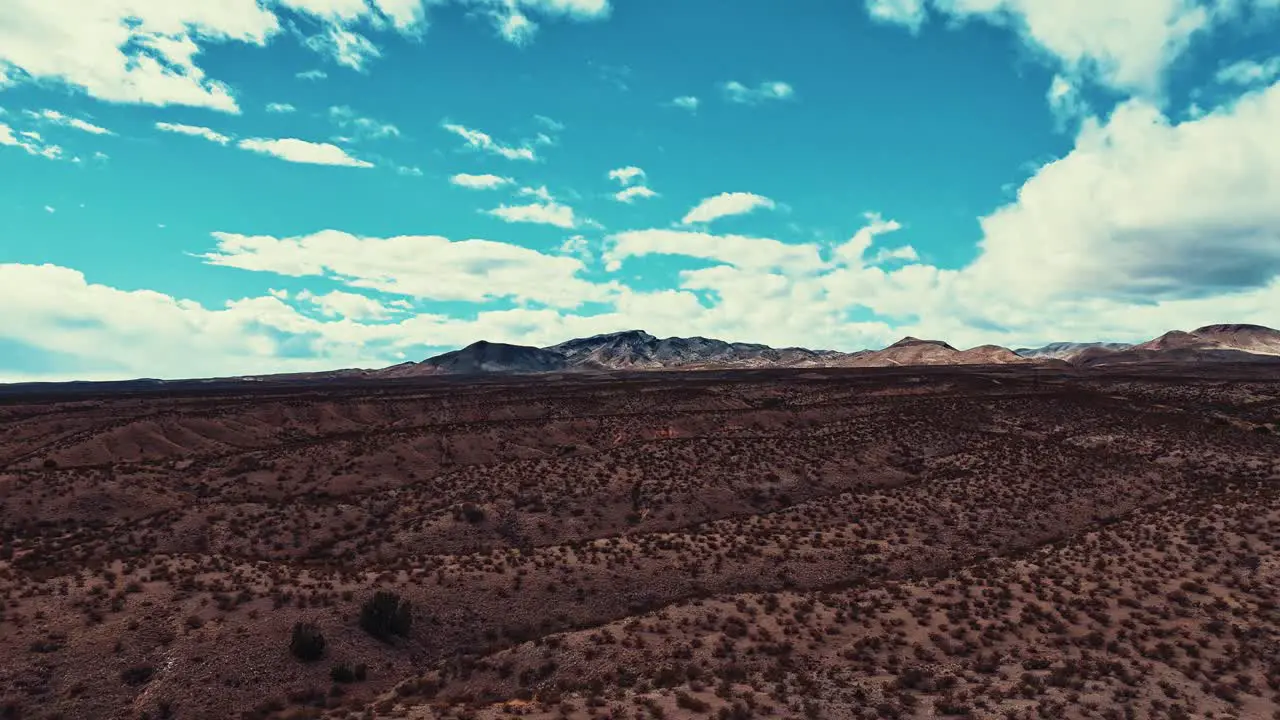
<point x="988" y="542"/>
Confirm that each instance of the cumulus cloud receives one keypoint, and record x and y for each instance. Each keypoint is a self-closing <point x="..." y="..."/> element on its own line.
<point x="736" y="92"/>
<point x="540" y="213"/>
<point x="303" y="151"/>
<point x="632" y="179"/>
<point x="480" y="182"/>
<point x="904" y="253"/>
<point x="142" y="51"/>
<point x="112" y="333"/>
<point x="630" y="194"/>
<point x="429" y="267"/>
<point x="29" y="141"/>
<point x="194" y="131"/>
<point x="726" y="204"/>
<point x="280" y="108"/>
<point x="737" y="250"/>
<point x="485" y="142"/>
<point x="352" y="306"/>
<point x="855" y="248"/>
<point x="289" y="149"/>
<point x="363" y="127"/>
<point x="686" y="102"/>
<point x="511" y="18"/>
<point x="1250" y="72"/>
<point x="57" y="118"/>
<point x="626" y="175"/>
<point x="145" y="51"/>
<point x="1145" y="207"/>
<point x="1125" y="46"/>
<point x="345" y="46"/>
<point x="1066" y="102"/>
<point x="908" y="13"/>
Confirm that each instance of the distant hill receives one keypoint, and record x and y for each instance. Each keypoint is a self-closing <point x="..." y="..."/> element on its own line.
<point x="1211" y="343"/>
<point x="914" y="351"/>
<point x="487" y="357"/>
<point x="637" y="349"/>
<point x="1068" y="350"/>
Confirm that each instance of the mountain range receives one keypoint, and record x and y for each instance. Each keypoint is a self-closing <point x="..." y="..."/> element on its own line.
<point x="638" y="350"/>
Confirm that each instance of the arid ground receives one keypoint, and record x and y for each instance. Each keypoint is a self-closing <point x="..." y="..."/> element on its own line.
<point x="1000" y="542"/>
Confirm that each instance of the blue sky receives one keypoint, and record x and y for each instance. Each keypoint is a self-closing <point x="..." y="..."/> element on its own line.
<point x="193" y="189"/>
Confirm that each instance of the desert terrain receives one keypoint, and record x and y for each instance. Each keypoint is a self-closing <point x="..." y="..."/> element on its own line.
<point x="1011" y="541"/>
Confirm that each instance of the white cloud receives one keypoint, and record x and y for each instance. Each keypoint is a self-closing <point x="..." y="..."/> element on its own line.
<point x="513" y="24"/>
<point x="407" y="16"/>
<point x="280" y="108"/>
<point x="908" y="13"/>
<point x="686" y="102"/>
<point x="409" y="171"/>
<point x="346" y="47"/>
<point x="905" y="253"/>
<point x="429" y="267"/>
<point x="541" y="213"/>
<point x="303" y="151"/>
<point x="541" y="192"/>
<point x="1065" y="102"/>
<point x="58" y="118"/>
<point x="352" y="306"/>
<point x="312" y="75"/>
<point x="577" y="246"/>
<point x="368" y="128"/>
<point x="112" y="334"/>
<point x="1250" y="72"/>
<point x="769" y="90"/>
<point x="148" y="60"/>
<point x="630" y="194"/>
<point x="1126" y="46"/>
<point x="50" y="209"/>
<point x="852" y="251"/>
<point x="145" y="51"/>
<point x="726" y="204"/>
<point x="480" y="182"/>
<point x="334" y="10"/>
<point x="483" y="141"/>
<point x="1143" y="207"/>
<point x="549" y="123"/>
<point x="29" y="141"/>
<point x="627" y="175"/>
<point x="737" y="250"/>
<point x="290" y="149"/>
<point x="194" y="131"/>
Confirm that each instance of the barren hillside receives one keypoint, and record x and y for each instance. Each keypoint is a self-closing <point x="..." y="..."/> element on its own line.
<point x="995" y="542"/>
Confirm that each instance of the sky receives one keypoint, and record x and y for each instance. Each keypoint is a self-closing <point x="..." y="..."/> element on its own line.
<point x="196" y="189"/>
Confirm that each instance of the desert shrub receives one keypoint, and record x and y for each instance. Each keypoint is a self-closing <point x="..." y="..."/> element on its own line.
<point x="688" y="702"/>
<point x="307" y="642"/>
<point x="137" y="675"/>
<point x="386" y="614"/>
<point x="344" y="673"/>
